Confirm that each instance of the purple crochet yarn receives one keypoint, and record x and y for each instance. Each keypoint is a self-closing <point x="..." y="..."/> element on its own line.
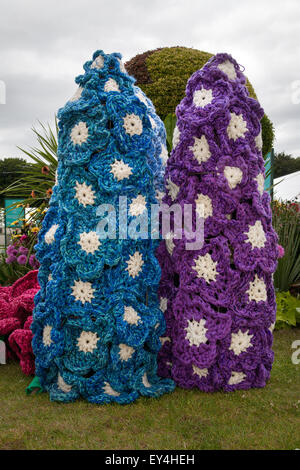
<point x="219" y="300"/>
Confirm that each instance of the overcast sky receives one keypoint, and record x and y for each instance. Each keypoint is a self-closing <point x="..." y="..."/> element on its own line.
<point x="43" y="45"/>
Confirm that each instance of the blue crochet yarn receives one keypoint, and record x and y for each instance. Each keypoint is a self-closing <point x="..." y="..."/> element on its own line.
<point x="97" y="323"/>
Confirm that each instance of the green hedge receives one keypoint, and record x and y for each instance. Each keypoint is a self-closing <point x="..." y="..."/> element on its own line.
<point x="163" y="73"/>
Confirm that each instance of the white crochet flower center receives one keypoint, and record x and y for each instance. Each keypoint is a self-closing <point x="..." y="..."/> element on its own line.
<point x="49" y="236"/>
<point x="259" y="142"/>
<point x="236" y="378"/>
<point x="47" y="341"/>
<point x="83" y="291"/>
<point x="169" y="242"/>
<point x="240" y="342"/>
<point x="260" y="180"/>
<point x="125" y="352"/>
<point x="79" y="133"/>
<point x="201" y="149"/>
<point x="206" y="267"/>
<point x="163" y="305"/>
<point x="120" y="170"/>
<point x="204" y="206"/>
<point x="172" y="188"/>
<point x="164" y="155"/>
<point x="132" y="124"/>
<point x="89" y="242"/>
<point x="131" y="316"/>
<point x="122" y="66"/>
<point x="109" y="390"/>
<point x="84" y="194"/>
<point x="228" y="68"/>
<point x="50" y="278"/>
<point x="202" y="97"/>
<point x="200" y="372"/>
<point x="145" y="381"/>
<point x="141" y="97"/>
<point x="256" y="235"/>
<point x="271" y="327"/>
<point x="134" y="264"/>
<point x="77" y="94"/>
<point x="234" y="176"/>
<point x="164" y="339"/>
<point x="111" y="85"/>
<point x="137" y="206"/>
<point x="87" y="341"/>
<point x="257" y="290"/>
<point x="196" y="332"/>
<point x="63" y="385"/>
<point x="98" y="63"/>
<point x="237" y="126"/>
<point x="176" y="137"/>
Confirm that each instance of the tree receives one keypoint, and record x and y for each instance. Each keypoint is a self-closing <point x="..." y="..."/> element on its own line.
<point x="284" y="164"/>
<point x="11" y="169"/>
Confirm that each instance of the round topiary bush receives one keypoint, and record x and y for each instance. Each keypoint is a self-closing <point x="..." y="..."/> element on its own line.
<point x="163" y="74"/>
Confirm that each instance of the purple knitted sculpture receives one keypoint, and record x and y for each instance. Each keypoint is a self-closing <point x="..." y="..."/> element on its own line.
<point x="219" y="300"/>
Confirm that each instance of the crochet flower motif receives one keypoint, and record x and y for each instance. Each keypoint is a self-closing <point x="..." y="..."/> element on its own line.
<point x="256" y="235"/>
<point x="196" y="332"/>
<point x="206" y="267"/>
<point x="49" y="236"/>
<point x="109" y="390"/>
<point x="89" y="242"/>
<point x="98" y="63"/>
<point x="260" y="180"/>
<point x="83" y="291"/>
<point x="240" y="342"/>
<point x="163" y="305"/>
<point x="228" y="68"/>
<point x="137" y="206"/>
<point x="234" y="176"/>
<point x="132" y="124"/>
<point x="169" y="242"/>
<point x="79" y="133"/>
<point x="131" y="316"/>
<point x="236" y="378"/>
<point x="259" y="142"/>
<point x="257" y="290"/>
<point x="125" y="352"/>
<point x="201" y="149"/>
<point x="120" y="170"/>
<point x="77" y="94"/>
<point x="204" y="206"/>
<point x="202" y="97"/>
<point x="134" y="264"/>
<point x="237" y="126"/>
<point x="87" y="341"/>
<point x="47" y="341"/>
<point x="141" y="97"/>
<point x="172" y="188"/>
<point x="62" y="385"/>
<point x="84" y="194"/>
<point x="176" y="137"/>
<point x="200" y="372"/>
<point x="111" y="85"/>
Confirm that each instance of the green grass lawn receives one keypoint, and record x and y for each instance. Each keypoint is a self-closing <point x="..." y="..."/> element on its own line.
<point x="257" y="419"/>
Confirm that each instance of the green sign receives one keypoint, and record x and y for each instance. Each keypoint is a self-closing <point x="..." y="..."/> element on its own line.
<point x="13" y="214"/>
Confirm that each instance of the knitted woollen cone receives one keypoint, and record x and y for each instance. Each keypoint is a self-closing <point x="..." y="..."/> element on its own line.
<point x="97" y="320"/>
<point x="219" y="300"/>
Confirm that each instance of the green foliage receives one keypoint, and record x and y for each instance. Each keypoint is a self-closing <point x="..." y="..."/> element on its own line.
<point x="10" y="171"/>
<point x="287" y="313"/>
<point x="163" y="74"/>
<point x="9" y="273"/>
<point x="286" y="222"/>
<point x="170" y="123"/>
<point x="285" y="164"/>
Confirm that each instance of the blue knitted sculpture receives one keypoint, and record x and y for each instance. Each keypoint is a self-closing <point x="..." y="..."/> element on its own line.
<point x="97" y="323"/>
